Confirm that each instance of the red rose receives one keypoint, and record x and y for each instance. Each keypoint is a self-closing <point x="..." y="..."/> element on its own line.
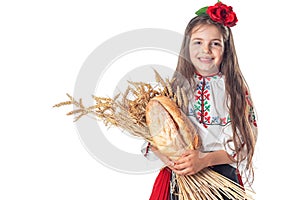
<point x="223" y="14"/>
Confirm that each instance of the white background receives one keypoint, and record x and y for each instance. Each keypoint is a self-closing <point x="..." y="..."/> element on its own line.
<point x="42" y="47"/>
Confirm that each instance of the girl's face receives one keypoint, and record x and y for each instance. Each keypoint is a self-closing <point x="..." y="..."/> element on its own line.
<point x="206" y="49"/>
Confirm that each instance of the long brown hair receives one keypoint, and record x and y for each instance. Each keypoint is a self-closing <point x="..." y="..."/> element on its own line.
<point x="236" y="87"/>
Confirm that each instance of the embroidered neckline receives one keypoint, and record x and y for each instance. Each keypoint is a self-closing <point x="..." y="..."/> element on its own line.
<point x="218" y="74"/>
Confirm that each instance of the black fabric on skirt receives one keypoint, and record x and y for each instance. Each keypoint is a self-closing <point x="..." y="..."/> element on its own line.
<point x="226" y="170"/>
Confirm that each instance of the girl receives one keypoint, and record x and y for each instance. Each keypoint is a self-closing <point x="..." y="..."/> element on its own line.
<point x="220" y="104"/>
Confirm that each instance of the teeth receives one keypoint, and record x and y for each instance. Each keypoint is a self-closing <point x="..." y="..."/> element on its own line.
<point x="205" y="59"/>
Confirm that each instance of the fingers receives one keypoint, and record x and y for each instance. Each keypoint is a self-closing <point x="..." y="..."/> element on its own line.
<point x="182" y="166"/>
<point x="187" y="153"/>
<point x="182" y="172"/>
<point x="185" y="157"/>
<point x="171" y="167"/>
<point x="186" y="164"/>
<point x="170" y="164"/>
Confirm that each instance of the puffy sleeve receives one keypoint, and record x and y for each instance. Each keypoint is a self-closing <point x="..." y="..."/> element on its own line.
<point x="251" y="115"/>
<point x="147" y="152"/>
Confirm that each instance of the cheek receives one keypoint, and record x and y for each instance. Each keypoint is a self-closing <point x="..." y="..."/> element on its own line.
<point x="219" y="55"/>
<point x="193" y="51"/>
<point x="190" y="50"/>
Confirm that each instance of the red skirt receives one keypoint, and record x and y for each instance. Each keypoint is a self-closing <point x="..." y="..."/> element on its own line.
<point x="161" y="187"/>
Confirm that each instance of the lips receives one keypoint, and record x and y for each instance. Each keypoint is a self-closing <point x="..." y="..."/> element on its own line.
<point x="206" y="59"/>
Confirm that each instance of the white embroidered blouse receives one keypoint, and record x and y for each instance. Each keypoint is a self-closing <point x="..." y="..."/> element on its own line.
<point x="210" y="113"/>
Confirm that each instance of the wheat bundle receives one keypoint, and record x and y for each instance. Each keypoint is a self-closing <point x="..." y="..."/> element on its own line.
<point x="156" y="114"/>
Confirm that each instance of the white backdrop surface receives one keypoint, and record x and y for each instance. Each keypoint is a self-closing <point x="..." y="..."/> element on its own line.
<point x="43" y="45"/>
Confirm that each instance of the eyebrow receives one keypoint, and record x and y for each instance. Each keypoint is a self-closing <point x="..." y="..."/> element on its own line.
<point x="210" y="40"/>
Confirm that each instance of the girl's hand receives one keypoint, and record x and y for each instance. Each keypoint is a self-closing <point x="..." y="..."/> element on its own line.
<point x="191" y="162"/>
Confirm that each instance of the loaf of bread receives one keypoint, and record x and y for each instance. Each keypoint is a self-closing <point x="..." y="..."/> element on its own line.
<point x="171" y="130"/>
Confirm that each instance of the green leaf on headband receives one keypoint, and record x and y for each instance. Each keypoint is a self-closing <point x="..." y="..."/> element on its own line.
<point x="201" y="11"/>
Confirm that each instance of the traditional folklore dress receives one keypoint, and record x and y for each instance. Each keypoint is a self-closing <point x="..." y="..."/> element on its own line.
<point x="209" y="111"/>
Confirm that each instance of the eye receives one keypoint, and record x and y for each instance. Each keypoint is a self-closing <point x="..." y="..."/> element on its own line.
<point x="197" y="42"/>
<point x="218" y="44"/>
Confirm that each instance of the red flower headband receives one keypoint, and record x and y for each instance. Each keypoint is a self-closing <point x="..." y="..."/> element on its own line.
<point x="220" y="13"/>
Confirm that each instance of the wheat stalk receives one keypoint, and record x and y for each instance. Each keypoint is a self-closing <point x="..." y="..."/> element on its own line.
<point x="203" y="186"/>
<point x="127" y="112"/>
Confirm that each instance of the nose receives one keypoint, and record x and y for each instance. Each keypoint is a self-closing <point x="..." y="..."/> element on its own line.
<point x="205" y="48"/>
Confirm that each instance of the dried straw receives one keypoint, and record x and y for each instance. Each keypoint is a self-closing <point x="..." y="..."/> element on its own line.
<point x="127" y="112"/>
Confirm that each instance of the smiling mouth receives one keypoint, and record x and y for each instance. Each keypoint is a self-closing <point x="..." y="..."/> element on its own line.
<point x="205" y="59"/>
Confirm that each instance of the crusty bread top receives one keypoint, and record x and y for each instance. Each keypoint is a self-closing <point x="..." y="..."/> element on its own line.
<point x="169" y="105"/>
<point x="187" y="131"/>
